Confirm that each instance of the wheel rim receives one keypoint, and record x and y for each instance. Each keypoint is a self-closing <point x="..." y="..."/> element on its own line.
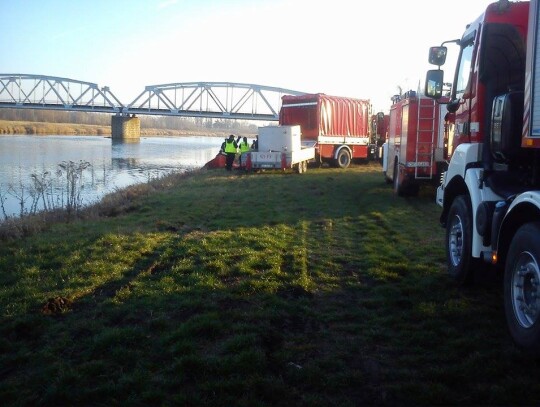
<point x="343" y="159"/>
<point x="525" y="289"/>
<point x="455" y="241"/>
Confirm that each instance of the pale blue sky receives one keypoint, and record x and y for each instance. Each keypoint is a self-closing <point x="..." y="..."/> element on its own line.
<point x="339" y="47"/>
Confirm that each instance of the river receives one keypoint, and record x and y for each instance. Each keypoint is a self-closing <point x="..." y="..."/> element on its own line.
<point x="112" y="165"/>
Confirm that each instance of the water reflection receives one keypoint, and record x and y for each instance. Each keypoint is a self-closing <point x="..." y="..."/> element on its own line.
<point x="114" y="164"/>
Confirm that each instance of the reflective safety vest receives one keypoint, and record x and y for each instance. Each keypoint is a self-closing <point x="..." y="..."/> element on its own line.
<point x="229" y="147"/>
<point x="244" y="147"/>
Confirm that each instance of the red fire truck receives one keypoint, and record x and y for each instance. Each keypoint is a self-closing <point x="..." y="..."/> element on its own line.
<point x="490" y="193"/>
<point x="338" y="127"/>
<point x="414" y="152"/>
<point x="379" y="129"/>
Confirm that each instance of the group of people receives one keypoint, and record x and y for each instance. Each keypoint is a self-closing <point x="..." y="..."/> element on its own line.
<point x="231" y="147"/>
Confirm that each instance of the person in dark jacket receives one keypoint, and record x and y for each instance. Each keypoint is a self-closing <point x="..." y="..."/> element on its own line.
<point x="231" y="147"/>
<point x="255" y="144"/>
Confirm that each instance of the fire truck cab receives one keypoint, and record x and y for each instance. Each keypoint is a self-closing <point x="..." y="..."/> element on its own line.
<point x="490" y="194"/>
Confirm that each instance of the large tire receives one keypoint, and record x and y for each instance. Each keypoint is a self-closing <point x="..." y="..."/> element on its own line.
<point x="459" y="241"/>
<point x="522" y="287"/>
<point x="343" y="159"/>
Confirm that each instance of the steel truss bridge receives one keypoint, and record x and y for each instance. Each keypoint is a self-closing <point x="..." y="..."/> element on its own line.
<point x="190" y="99"/>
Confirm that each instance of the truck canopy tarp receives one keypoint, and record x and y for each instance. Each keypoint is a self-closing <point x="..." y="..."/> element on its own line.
<point x="323" y="115"/>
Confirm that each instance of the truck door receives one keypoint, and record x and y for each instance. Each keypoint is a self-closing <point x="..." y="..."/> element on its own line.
<point x="463" y="91"/>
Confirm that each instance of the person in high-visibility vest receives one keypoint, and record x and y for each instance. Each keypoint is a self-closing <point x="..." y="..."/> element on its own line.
<point x="244" y="148"/>
<point x="230" y="150"/>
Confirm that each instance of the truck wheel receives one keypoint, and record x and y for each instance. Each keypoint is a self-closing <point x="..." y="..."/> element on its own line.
<point x="522" y="287"/>
<point x="343" y="159"/>
<point x="459" y="241"/>
<point x="304" y="166"/>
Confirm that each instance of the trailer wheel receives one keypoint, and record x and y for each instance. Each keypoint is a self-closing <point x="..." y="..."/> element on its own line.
<point x="522" y="287"/>
<point x="343" y="159"/>
<point x="459" y="241"/>
<point x="301" y="167"/>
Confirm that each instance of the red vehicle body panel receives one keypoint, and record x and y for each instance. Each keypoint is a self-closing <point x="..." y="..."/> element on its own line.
<point x="379" y="126"/>
<point x="470" y="117"/>
<point x="416" y="138"/>
<point x="329" y="121"/>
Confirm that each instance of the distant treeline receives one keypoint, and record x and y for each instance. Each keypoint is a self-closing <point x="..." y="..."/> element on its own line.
<point x="184" y="124"/>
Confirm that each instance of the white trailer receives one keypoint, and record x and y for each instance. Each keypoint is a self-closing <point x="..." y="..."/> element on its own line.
<point x="279" y="147"/>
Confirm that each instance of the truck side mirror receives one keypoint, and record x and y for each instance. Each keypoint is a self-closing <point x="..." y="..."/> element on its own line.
<point x="434" y="83"/>
<point x="437" y="55"/>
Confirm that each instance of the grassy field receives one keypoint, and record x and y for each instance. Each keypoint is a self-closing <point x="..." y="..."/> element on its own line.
<point x="270" y="289"/>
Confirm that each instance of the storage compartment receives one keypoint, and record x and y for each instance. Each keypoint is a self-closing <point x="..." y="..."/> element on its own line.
<point x="280" y="138"/>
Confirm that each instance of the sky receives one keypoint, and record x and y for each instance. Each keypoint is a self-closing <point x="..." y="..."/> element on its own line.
<point x="353" y="48"/>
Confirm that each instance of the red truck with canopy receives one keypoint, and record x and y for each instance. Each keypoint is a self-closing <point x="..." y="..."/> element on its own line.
<point x="338" y="127"/>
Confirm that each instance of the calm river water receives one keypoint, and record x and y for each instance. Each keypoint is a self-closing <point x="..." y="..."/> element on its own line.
<point x="113" y="164"/>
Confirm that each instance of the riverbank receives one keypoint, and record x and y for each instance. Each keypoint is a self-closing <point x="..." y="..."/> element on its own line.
<point x="267" y="289"/>
<point x="8" y="127"/>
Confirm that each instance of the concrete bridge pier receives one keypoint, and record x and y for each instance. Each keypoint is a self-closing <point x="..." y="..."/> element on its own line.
<point x="125" y="127"/>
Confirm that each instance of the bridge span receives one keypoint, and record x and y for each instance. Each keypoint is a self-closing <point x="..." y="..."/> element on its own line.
<point x="191" y="99"/>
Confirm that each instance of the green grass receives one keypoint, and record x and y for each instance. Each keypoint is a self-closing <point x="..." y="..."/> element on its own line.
<point x="320" y="289"/>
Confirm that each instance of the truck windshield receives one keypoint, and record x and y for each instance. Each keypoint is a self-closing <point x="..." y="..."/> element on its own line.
<point x="464" y="70"/>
